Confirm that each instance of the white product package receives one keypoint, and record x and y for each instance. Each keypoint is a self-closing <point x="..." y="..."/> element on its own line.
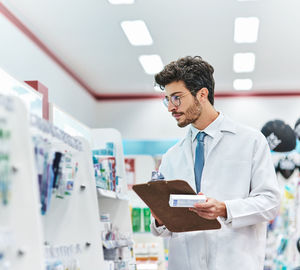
<point x="177" y="200"/>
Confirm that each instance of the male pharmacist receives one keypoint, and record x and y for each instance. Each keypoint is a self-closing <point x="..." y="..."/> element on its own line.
<point x="228" y="162"/>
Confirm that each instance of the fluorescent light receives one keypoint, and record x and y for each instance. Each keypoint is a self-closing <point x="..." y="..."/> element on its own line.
<point x="137" y="32"/>
<point x="121" y="2"/>
<point x="242" y="84"/>
<point x="151" y="64"/>
<point x="243" y="62"/>
<point x="246" y="30"/>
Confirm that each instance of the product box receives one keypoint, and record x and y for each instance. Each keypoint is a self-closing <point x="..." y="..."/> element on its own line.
<point x="177" y="200"/>
<point x="136" y="219"/>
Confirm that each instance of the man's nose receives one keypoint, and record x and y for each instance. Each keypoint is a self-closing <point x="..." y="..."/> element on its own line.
<point x="171" y="107"/>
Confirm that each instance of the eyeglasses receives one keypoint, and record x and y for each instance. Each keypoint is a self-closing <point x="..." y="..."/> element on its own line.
<point x="175" y="100"/>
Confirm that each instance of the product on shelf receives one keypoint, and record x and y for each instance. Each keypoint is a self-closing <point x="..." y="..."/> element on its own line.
<point x="140" y="219"/>
<point x="105" y="172"/>
<point x="105" y="168"/>
<point x="56" y="171"/>
<point x="109" y="150"/>
<point x="141" y="252"/>
<point x="117" y="246"/>
<point x="69" y="168"/>
<point x="63" y="257"/>
<point x="147" y="219"/>
<point x="153" y="251"/>
<point x="146" y="252"/>
<point x="281" y="247"/>
<point x="136" y="219"/>
<point x="5" y="166"/>
<point x="6" y="242"/>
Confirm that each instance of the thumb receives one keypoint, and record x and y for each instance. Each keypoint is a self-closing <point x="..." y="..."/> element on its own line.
<point x="200" y="193"/>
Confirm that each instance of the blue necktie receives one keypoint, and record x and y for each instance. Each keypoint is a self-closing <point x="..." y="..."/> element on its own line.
<point x="199" y="160"/>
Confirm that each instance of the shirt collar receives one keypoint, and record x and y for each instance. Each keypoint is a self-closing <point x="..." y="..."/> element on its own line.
<point x="211" y="129"/>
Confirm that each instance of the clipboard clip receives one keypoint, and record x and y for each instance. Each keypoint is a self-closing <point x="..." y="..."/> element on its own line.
<point x="156" y="176"/>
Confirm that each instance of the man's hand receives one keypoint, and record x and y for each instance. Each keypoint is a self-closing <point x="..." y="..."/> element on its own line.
<point x="157" y="220"/>
<point x="211" y="209"/>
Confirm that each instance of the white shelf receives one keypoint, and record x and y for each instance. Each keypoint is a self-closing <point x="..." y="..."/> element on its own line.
<point x="122" y="196"/>
<point x="146" y="266"/>
<point x="115" y="204"/>
<point x="109" y="244"/>
<point x="111" y="194"/>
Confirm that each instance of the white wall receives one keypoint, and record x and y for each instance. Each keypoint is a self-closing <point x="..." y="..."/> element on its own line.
<point x="23" y="60"/>
<point x="149" y="119"/>
<point x="142" y="119"/>
<point x="256" y="111"/>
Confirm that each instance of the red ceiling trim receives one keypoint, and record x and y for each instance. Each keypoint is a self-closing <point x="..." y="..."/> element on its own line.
<point x="286" y="93"/>
<point x="102" y="97"/>
<point x="109" y="97"/>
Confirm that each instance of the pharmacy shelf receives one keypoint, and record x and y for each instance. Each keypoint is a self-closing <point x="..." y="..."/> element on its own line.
<point x="147" y="266"/>
<point x="113" y="204"/>
<point x="111" y="194"/>
<point x="109" y="244"/>
<point x="144" y="165"/>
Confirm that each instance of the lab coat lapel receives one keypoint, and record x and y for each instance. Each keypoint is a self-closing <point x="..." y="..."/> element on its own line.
<point x="215" y="141"/>
<point x="187" y="149"/>
<point x="226" y="126"/>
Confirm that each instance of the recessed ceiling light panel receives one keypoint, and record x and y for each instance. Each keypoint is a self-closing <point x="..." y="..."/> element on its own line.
<point x="137" y="32"/>
<point x="243" y="62"/>
<point x="242" y="84"/>
<point x="246" y="30"/>
<point x="151" y="64"/>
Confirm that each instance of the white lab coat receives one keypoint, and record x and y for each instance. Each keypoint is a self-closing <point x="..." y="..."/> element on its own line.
<point x="239" y="171"/>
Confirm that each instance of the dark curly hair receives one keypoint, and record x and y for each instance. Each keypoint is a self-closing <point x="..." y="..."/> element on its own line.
<point x="193" y="71"/>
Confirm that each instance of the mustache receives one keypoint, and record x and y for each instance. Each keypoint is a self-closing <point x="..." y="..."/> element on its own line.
<point x="173" y="113"/>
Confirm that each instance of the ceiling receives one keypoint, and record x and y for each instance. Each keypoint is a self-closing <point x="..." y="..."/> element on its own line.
<point x="86" y="36"/>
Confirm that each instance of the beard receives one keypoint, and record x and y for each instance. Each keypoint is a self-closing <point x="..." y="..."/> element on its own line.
<point x="191" y="115"/>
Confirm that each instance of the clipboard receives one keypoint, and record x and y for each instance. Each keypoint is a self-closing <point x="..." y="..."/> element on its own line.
<point x="156" y="195"/>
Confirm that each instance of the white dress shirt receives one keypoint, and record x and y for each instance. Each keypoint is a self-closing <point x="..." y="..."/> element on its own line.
<point x="210" y="130"/>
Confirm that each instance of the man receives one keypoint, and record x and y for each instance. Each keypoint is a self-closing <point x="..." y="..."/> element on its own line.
<point x="230" y="163"/>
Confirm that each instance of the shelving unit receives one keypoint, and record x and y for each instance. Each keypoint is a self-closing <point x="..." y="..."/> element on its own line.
<point x="71" y="227"/>
<point x="111" y="194"/>
<point x="73" y="221"/>
<point x="115" y="204"/>
<point x="20" y="220"/>
<point x="283" y="233"/>
<point x="144" y="165"/>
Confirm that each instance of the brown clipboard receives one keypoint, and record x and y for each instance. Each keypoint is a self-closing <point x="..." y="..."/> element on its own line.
<point x="177" y="219"/>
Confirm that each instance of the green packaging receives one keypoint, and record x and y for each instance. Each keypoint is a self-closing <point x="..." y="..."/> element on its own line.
<point x="136" y="219"/>
<point x="147" y="219"/>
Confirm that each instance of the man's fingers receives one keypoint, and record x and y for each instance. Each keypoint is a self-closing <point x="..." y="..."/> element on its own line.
<point x="204" y="214"/>
<point x="204" y="205"/>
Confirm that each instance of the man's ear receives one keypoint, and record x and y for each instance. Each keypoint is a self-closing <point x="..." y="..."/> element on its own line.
<point x="202" y="94"/>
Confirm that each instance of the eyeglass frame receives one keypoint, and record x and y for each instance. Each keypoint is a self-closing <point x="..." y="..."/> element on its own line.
<point x="167" y="99"/>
